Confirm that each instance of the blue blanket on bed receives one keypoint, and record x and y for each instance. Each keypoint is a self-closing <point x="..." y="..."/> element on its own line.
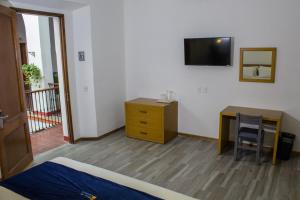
<point x="50" y="181"/>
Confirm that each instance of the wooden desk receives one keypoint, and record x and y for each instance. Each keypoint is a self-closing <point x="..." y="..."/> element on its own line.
<point x="269" y="117"/>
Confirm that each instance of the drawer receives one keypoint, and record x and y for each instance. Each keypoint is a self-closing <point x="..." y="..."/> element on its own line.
<point x="137" y="111"/>
<point x="147" y="122"/>
<point x="145" y="133"/>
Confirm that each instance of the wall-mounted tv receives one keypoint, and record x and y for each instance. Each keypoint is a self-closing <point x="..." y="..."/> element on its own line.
<point x="215" y="51"/>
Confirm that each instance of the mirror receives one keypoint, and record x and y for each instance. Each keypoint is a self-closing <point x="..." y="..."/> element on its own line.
<point x="257" y="65"/>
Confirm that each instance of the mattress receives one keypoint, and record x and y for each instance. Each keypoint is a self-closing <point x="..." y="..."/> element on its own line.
<point x="110" y="176"/>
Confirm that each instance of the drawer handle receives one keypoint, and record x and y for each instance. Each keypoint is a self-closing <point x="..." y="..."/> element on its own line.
<point x="143" y="122"/>
<point x="143" y="111"/>
<point x="144" y="133"/>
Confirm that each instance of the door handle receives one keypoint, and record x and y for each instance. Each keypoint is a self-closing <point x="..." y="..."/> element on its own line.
<point x="2" y="118"/>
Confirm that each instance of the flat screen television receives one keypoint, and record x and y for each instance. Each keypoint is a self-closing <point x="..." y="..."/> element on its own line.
<point x="215" y="51"/>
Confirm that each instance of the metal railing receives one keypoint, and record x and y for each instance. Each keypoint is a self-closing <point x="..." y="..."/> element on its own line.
<point x="43" y="109"/>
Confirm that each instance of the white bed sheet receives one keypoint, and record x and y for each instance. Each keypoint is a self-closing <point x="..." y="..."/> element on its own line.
<point x="108" y="175"/>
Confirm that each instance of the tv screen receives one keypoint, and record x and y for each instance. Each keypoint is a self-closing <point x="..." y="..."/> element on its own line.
<point x="208" y="51"/>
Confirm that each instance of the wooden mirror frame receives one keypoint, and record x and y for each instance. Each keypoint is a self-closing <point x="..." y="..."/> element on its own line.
<point x="273" y="66"/>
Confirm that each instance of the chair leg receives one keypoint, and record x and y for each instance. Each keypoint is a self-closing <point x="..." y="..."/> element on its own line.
<point x="261" y="151"/>
<point x="235" y="152"/>
<point x="258" y="154"/>
<point x="262" y="146"/>
<point x="236" y="144"/>
<point x="257" y="157"/>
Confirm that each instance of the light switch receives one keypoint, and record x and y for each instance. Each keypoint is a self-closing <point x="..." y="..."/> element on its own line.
<point x="81" y="56"/>
<point x="86" y="88"/>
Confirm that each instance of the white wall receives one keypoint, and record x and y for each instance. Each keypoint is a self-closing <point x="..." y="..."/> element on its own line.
<point x="45" y="45"/>
<point x="108" y="58"/>
<point x="84" y="72"/>
<point x="34" y="43"/>
<point x="38" y="41"/>
<point x="154" y="33"/>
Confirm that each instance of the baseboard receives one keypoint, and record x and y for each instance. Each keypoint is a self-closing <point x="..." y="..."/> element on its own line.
<point x="198" y="137"/>
<point x="98" y="138"/>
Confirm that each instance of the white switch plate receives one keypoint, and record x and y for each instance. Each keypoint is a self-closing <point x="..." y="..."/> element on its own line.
<point x="86" y="88"/>
<point x="202" y="90"/>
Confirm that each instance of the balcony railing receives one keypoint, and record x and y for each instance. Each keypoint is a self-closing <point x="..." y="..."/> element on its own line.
<point x="43" y="109"/>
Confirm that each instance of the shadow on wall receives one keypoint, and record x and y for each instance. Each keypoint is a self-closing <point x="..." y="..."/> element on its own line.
<point x="292" y="125"/>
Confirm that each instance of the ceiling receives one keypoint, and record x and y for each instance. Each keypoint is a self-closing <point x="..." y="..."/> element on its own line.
<point x="54" y="4"/>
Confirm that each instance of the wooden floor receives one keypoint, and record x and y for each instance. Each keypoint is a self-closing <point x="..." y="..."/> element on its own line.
<point x="188" y="166"/>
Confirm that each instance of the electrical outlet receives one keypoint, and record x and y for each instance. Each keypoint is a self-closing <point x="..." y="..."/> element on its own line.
<point x="199" y="90"/>
<point x="86" y="88"/>
<point x="202" y="90"/>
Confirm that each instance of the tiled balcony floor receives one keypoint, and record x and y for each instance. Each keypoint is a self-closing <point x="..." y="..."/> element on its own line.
<point x="47" y="139"/>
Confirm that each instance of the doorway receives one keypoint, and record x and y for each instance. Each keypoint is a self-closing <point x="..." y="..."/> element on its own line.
<point x="45" y="74"/>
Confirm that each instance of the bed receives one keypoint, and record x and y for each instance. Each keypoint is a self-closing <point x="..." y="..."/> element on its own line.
<point x="121" y="180"/>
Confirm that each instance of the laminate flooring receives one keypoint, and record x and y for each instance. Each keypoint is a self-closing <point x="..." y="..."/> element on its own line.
<point x="189" y="166"/>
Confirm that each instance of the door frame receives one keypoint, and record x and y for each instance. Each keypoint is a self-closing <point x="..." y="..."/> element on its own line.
<point x="64" y="62"/>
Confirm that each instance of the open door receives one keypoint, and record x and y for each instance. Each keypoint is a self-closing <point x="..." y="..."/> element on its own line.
<point x="15" y="146"/>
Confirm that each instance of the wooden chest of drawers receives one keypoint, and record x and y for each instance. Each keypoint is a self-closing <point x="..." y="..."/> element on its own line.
<point x="148" y="120"/>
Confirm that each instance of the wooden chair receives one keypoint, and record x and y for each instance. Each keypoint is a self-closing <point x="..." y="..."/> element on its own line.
<point x="250" y="129"/>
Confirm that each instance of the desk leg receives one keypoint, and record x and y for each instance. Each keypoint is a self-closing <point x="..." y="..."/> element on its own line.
<point x="278" y="126"/>
<point x="224" y="129"/>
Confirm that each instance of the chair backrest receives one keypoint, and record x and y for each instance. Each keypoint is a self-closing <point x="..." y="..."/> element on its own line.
<point x="249" y="120"/>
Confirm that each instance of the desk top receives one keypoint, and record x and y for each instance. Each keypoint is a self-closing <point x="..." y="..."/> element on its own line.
<point x="269" y="115"/>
